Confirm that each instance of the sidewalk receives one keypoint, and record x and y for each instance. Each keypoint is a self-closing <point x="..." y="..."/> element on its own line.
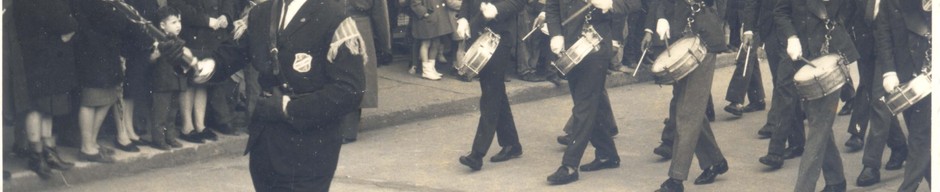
<point x="403" y="98"/>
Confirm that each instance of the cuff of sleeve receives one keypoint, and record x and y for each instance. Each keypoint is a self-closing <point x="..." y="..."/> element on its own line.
<point x="648" y="30"/>
<point x="749" y="33"/>
<point x="889" y="74"/>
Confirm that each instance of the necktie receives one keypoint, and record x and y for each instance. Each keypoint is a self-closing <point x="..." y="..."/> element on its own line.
<point x="926" y="4"/>
<point x="871" y="10"/>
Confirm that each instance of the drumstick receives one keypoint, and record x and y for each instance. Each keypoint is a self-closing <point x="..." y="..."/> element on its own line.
<point x="669" y="54"/>
<point x="747" y="59"/>
<point x="576" y="14"/>
<point x="532" y="31"/>
<point x="801" y="58"/>
<point x="638" y="63"/>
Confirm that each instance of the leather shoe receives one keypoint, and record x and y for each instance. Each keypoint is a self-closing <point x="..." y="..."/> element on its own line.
<point x="37" y="163"/>
<point x="855" y="143"/>
<point x="564" y="140"/>
<point x="868" y="177"/>
<point x="599" y="164"/>
<point x="735" y="109"/>
<point x="160" y="146"/>
<point x="792" y="152"/>
<point x="208" y="135"/>
<point x="671" y="185"/>
<point x="708" y="176"/>
<point x="54" y="161"/>
<point x="755" y="106"/>
<point x="664" y="150"/>
<point x="835" y="187"/>
<point x="192" y="137"/>
<point x="472" y="161"/>
<point x="226" y="130"/>
<point x="896" y="161"/>
<point x="764" y="133"/>
<point x="130" y="147"/>
<point x="508" y="152"/>
<point x="173" y="143"/>
<point x="563" y="176"/>
<point x="846" y="109"/>
<point x="100" y="157"/>
<point x="774" y="161"/>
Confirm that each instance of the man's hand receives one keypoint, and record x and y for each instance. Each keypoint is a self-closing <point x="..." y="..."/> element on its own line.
<point x="214" y="23"/>
<point x="241" y="26"/>
<point x="489" y="10"/>
<point x="890" y="82"/>
<point x="603" y="5"/>
<point x="67" y="37"/>
<point x="463" y="28"/>
<point x="223" y="22"/>
<point x="746" y="38"/>
<point x="662" y="29"/>
<point x="284" y="100"/>
<point x="794" y="48"/>
<point x="647" y="39"/>
<point x="557" y="44"/>
<point x="541" y="16"/>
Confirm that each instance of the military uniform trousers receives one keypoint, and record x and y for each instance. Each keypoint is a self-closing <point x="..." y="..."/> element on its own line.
<point x="495" y="114"/>
<point x="693" y="132"/>
<point x="750" y="83"/>
<point x="821" y="153"/>
<point x="586" y="83"/>
<point x="785" y="118"/>
<point x="861" y="113"/>
<point x="885" y="128"/>
<point x="917" y="119"/>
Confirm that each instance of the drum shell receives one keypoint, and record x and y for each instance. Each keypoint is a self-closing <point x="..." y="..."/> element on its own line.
<point x="678" y="60"/>
<point x="479" y="54"/>
<point x="909" y="94"/>
<point x="828" y="76"/>
<point x="588" y="43"/>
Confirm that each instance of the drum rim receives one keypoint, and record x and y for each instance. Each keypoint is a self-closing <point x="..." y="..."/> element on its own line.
<point x="661" y="59"/>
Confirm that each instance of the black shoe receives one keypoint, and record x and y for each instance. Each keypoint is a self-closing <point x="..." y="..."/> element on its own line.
<point x="192" y="137"/>
<point x="735" y="109"/>
<point x="37" y="163"/>
<point x="554" y="79"/>
<point x="855" y="143"/>
<point x="226" y="130"/>
<point x="208" y="135"/>
<point x="472" y="161"/>
<point x="54" y="161"/>
<point x="138" y="142"/>
<point x="792" y="152"/>
<point x="100" y="157"/>
<point x="160" y="145"/>
<point x="105" y="150"/>
<point x="708" y="176"/>
<point x="896" y="161"/>
<point x="868" y="177"/>
<point x="130" y="147"/>
<point x="348" y="140"/>
<point x="764" y="133"/>
<point x="664" y="150"/>
<point x="464" y="78"/>
<point x="531" y="77"/>
<point x="599" y="164"/>
<point x="563" y="176"/>
<point x="508" y="152"/>
<point x="755" y="106"/>
<point x="846" y="109"/>
<point x="835" y="187"/>
<point x="671" y="185"/>
<point x="173" y="143"/>
<point x="564" y="140"/>
<point x="774" y="161"/>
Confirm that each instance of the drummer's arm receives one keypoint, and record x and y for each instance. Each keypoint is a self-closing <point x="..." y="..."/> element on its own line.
<point x="553" y="17"/>
<point x="782" y="19"/>
<point x="884" y="47"/>
<point x="748" y="15"/>
<point x="508" y="8"/>
<point x="655" y="13"/>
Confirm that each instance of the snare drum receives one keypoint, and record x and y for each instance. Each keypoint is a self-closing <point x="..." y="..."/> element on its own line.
<point x="908" y="94"/>
<point x="478" y="54"/>
<point x="588" y="43"/>
<point x="678" y="60"/>
<point x="203" y="71"/>
<point x="826" y="77"/>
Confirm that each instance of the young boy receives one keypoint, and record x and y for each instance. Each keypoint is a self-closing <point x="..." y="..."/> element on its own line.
<point x="168" y="80"/>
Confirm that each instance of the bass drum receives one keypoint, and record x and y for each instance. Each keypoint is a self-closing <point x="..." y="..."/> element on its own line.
<point x="678" y="60"/>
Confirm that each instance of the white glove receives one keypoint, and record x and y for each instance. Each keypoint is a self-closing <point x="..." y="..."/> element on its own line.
<point x="223" y="22"/>
<point x="747" y="37"/>
<point x="794" y="49"/>
<point x="214" y="23"/>
<point x="662" y="29"/>
<point x="68" y="36"/>
<point x="241" y="26"/>
<point x="489" y="10"/>
<point x="544" y="28"/>
<point x="890" y="81"/>
<point x="616" y="43"/>
<point x="557" y="44"/>
<point x="541" y="16"/>
<point x="463" y="28"/>
<point x="284" y="100"/>
<point x="603" y="5"/>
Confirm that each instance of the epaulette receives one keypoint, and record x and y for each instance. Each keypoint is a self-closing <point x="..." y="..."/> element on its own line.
<point x="347" y="34"/>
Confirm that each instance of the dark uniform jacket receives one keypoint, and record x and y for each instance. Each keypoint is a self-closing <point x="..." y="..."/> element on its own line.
<point x="48" y="62"/>
<point x="556" y="11"/>
<point x="306" y="140"/>
<point x="758" y="17"/>
<point x="98" y="42"/>
<point x="504" y="23"/>
<point x="195" y="17"/>
<point x="900" y="37"/>
<point x="708" y="24"/>
<point x="803" y="18"/>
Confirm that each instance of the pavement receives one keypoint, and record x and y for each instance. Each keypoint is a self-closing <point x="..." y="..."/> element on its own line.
<point x="412" y="141"/>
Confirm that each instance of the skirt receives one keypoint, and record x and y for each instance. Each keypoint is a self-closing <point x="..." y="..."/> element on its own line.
<point x="97" y="97"/>
<point x="53" y="105"/>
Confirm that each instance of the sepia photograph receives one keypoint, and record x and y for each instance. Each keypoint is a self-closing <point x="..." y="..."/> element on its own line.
<point x="467" y="95"/>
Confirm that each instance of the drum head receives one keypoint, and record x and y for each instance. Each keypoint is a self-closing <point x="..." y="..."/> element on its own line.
<point x="823" y="64"/>
<point x="204" y="71"/>
<point x="674" y="53"/>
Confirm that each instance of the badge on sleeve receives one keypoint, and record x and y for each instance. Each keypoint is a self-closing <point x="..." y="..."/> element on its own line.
<point x="302" y="62"/>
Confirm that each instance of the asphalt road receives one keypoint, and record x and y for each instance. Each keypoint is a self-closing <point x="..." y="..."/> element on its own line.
<point x="422" y="156"/>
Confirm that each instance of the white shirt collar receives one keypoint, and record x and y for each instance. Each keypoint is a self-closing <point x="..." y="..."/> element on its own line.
<point x="288" y="12"/>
